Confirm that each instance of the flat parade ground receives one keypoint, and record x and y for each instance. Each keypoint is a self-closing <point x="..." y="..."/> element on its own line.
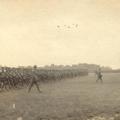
<point x="71" y="99"/>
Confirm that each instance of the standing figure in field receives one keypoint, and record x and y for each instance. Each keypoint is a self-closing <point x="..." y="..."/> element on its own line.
<point x="34" y="80"/>
<point x="99" y="76"/>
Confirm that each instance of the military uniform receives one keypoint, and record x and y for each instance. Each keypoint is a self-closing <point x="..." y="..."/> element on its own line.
<point x="99" y="77"/>
<point x="34" y="81"/>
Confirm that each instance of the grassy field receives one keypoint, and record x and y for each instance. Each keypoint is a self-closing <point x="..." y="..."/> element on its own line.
<point x="71" y="99"/>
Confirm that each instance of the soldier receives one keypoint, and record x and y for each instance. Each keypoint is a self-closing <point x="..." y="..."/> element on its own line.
<point x="3" y="77"/>
<point x="99" y="76"/>
<point x="34" y="80"/>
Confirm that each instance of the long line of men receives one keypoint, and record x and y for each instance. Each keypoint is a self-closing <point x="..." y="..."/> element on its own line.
<point x="13" y="78"/>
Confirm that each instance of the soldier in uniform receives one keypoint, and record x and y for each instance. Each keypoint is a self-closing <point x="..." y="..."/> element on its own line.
<point x="3" y="80"/>
<point x="99" y="76"/>
<point x="34" y="80"/>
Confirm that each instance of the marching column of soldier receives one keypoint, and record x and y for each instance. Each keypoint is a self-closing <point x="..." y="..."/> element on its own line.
<point x="14" y="78"/>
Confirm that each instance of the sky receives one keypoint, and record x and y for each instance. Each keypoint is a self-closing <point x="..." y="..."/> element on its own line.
<point x="45" y="32"/>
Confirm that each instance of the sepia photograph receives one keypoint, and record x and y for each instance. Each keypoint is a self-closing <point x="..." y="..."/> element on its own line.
<point x="59" y="60"/>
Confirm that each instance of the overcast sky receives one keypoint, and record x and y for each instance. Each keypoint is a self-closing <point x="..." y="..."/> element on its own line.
<point x="60" y="32"/>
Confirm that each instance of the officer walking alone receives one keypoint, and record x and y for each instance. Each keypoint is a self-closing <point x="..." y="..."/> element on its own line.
<point x="99" y="76"/>
<point x="34" y="80"/>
